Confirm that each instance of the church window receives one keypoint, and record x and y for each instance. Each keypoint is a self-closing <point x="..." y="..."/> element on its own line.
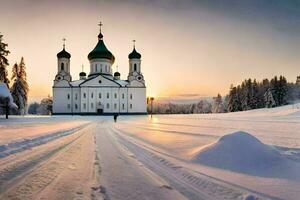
<point x="107" y="95"/>
<point x="123" y="106"/>
<point x="84" y="95"/>
<point x="84" y="106"/>
<point x="100" y="80"/>
<point x="92" y="105"/>
<point x="135" y="67"/>
<point x="115" y="95"/>
<point x="96" y="67"/>
<point x="130" y="96"/>
<point x="92" y="95"/>
<point x="101" y="70"/>
<point x="105" y="68"/>
<point x="62" y="67"/>
<point x="68" y="96"/>
<point x="100" y="96"/>
<point x="76" y="106"/>
<point x="123" y="96"/>
<point x="76" y="96"/>
<point x="115" y="106"/>
<point x="69" y="106"/>
<point x="130" y="106"/>
<point x="107" y="105"/>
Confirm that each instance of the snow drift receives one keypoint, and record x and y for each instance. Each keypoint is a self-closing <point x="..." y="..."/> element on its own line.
<point x="244" y="153"/>
<point x="5" y="93"/>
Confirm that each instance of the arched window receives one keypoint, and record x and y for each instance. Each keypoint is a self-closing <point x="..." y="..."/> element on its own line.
<point x="107" y="105"/>
<point x="62" y="67"/>
<point x="134" y="67"/>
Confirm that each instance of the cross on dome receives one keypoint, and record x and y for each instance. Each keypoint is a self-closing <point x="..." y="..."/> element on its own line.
<point x="64" y="42"/>
<point x="100" y="24"/>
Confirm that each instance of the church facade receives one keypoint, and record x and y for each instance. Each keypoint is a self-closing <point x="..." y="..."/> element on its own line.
<point x="101" y="91"/>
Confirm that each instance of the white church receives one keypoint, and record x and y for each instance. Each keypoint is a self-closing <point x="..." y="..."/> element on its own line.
<point x="101" y="92"/>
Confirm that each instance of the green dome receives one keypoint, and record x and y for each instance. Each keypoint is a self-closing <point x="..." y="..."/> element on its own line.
<point x="82" y="74"/>
<point x="134" y="55"/>
<point x="117" y="74"/>
<point x="63" y="54"/>
<point x="100" y="51"/>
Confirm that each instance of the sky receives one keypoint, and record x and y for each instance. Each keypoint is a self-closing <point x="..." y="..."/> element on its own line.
<point x="190" y="48"/>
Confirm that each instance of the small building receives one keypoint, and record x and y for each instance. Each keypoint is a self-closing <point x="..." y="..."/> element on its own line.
<point x="101" y="91"/>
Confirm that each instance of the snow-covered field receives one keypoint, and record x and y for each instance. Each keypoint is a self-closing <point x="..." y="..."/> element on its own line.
<point x="245" y="155"/>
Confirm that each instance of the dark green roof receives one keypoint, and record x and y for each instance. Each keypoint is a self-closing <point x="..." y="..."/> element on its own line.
<point x="100" y="51"/>
<point x="117" y="74"/>
<point x="134" y="55"/>
<point x="82" y="74"/>
<point x="63" y="54"/>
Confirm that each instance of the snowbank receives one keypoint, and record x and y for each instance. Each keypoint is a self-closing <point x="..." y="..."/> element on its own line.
<point x="5" y="93"/>
<point x="244" y="153"/>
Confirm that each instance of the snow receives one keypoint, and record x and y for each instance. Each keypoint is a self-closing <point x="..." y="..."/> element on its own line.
<point x="77" y="82"/>
<point x="5" y="93"/>
<point x="245" y="155"/>
<point x="241" y="152"/>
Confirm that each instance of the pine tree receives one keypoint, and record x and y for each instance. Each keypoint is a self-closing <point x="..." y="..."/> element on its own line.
<point x="20" y="86"/>
<point x="269" y="100"/>
<point x="234" y="103"/>
<point x="45" y="107"/>
<point x="217" y="106"/>
<point x="3" y="62"/>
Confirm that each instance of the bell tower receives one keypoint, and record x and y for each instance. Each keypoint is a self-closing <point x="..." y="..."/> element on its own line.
<point x="63" y="65"/>
<point x="135" y="66"/>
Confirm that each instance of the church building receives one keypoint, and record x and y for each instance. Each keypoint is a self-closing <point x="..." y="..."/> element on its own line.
<point x="101" y="91"/>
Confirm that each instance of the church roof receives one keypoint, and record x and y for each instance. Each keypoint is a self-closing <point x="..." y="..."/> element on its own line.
<point x="134" y="54"/>
<point x="100" y="51"/>
<point x="76" y="83"/>
<point x="64" y="54"/>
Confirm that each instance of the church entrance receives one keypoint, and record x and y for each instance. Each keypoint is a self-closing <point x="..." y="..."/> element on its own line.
<point x="100" y="108"/>
<point x="99" y="111"/>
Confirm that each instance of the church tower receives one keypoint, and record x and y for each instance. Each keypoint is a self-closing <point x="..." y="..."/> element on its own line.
<point x="63" y="65"/>
<point x="135" y="66"/>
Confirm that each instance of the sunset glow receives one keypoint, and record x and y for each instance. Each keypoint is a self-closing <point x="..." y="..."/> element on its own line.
<point x="187" y="48"/>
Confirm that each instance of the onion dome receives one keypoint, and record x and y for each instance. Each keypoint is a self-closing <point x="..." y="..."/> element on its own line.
<point x="117" y="74"/>
<point x="82" y="74"/>
<point x="64" y="54"/>
<point x="134" y="54"/>
<point x="100" y="51"/>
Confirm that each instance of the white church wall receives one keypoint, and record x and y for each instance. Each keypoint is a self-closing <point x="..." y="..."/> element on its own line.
<point x="137" y="100"/>
<point x="100" y="66"/>
<point x="61" y="100"/>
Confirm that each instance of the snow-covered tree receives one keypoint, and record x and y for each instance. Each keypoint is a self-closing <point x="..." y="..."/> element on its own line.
<point x="3" y="62"/>
<point x="45" y="107"/>
<point x="269" y="100"/>
<point x="33" y="107"/>
<point x="217" y="106"/>
<point x="20" y="88"/>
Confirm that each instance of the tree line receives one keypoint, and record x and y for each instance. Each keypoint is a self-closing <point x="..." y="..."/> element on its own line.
<point x="253" y="94"/>
<point x="250" y="94"/>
